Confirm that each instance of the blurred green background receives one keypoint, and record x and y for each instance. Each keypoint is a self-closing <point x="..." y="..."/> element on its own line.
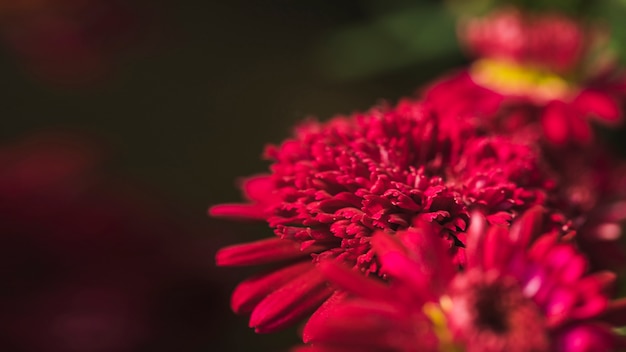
<point x="187" y="106"/>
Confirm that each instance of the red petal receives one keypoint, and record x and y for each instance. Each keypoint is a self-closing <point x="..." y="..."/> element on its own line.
<point x="353" y="281"/>
<point x="475" y="234"/>
<point x="239" y="211"/>
<point x="319" y="318"/>
<point x="541" y="246"/>
<point x="372" y="325"/>
<point x="592" y="301"/>
<point x="290" y="303"/>
<point x="586" y="337"/>
<point x="253" y="290"/>
<point x="421" y="268"/>
<point x="496" y="247"/>
<point x="261" y="252"/>
<point x="528" y="226"/>
<point x="258" y="188"/>
<point x="555" y="122"/>
<point x="599" y="105"/>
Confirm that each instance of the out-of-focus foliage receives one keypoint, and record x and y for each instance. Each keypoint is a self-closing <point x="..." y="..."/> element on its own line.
<point x="402" y="34"/>
<point x="393" y="39"/>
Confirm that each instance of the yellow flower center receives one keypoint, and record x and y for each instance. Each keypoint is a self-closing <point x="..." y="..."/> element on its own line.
<point x="512" y="79"/>
<point x="437" y="316"/>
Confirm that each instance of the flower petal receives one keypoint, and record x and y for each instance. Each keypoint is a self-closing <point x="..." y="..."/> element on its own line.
<point x="528" y="226"/>
<point x="599" y="105"/>
<point x="239" y="211"/>
<point x="586" y="337"/>
<point x="290" y="303"/>
<point x="261" y="252"/>
<point x="555" y="122"/>
<point x="319" y="319"/>
<point x="253" y="290"/>
<point x="353" y="282"/>
<point x="258" y="188"/>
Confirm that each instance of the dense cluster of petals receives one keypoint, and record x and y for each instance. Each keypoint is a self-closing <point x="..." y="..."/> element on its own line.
<point x="334" y="184"/>
<point x="522" y="290"/>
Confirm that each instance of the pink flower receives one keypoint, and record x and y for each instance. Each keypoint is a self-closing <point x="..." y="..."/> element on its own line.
<point x="522" y="290"/>
<point x="524" y="78"/>
<point x="549" y="40"/>
<point x="334" y="184"/>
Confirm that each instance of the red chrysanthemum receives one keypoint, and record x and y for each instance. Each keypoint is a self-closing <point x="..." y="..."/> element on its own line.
<point x="524" y="76"/>
<point x="334" y="184"/>
<point x="518" y="292"/>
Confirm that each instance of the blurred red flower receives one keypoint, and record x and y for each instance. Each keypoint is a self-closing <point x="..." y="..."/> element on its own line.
<point x="545" y="71"/>
<point x="522" y="290"/>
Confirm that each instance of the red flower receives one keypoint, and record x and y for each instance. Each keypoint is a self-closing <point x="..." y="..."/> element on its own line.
<point x="524" y="77"/>
<point x="564" y="119"/>
<point x="518" y="292"/>
<point x="335" y="184"/>
<point x="548" y="40"/>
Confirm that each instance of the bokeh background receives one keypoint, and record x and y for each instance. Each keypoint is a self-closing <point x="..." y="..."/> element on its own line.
<point x="122" y="121"/>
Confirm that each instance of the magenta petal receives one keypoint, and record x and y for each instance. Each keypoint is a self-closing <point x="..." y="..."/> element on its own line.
<point x="260" y="252"/>
<point x="489" y="248"/>
<point x="258" y="188"/>
<point x="599" y="105"/>
<point x="564" y="260"/>
<point x="424" y="270"/>
<point x="475" y="237"/>
<point x="559" y="305"/>
<point x="592" y="301"/>
<point x="373" y="325"/>
<point x="542" y="246"/>
<point x="353" y="281"/>
<point x="496" y="248"/>
<point x="253" y="290"/>
<point x="239" y="211"/>
<point x="528" y="226"/>
<point x="588" y="337"/>
<point x="319" y="319"/>
<point x="290" y="303"/>
<point x="555" y="122"/>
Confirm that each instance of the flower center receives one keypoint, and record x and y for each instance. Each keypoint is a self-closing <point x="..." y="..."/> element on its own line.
<point x="492" y="309"/>
<point x="524" y="81"/>
<point x="489" y="310"/>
